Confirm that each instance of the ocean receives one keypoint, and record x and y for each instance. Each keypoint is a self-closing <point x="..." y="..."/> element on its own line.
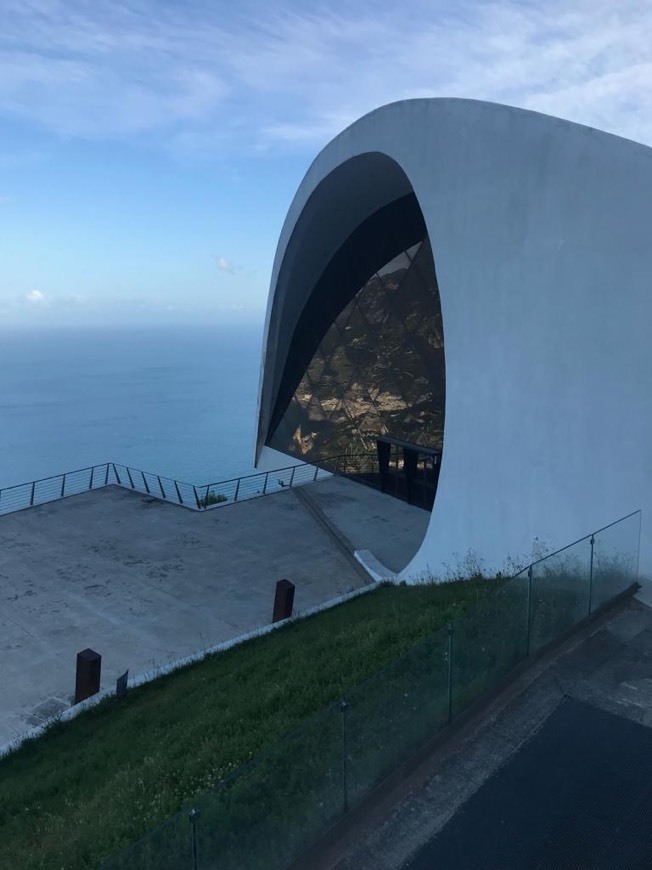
<point x="177" y="401"/>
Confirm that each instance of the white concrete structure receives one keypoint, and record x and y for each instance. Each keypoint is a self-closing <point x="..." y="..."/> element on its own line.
<point x="541" y="232"/>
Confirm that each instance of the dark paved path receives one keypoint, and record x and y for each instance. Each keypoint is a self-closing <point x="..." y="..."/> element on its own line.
<point x="576" y="796"/>
<point x="560" y="765"/>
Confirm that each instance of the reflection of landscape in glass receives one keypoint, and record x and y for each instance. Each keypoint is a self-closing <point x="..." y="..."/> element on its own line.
<point x="379" y="370"/>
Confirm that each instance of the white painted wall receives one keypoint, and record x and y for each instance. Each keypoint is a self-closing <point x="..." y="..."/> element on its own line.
<point x="542" y="238"/>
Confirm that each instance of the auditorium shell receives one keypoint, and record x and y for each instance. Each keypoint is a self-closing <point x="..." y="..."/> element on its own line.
<point x="475" y="280"/>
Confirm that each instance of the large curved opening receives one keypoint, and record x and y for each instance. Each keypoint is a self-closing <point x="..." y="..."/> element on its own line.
<point x="360" y="388"/>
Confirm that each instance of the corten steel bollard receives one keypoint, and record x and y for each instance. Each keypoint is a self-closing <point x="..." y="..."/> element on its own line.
<point x="89" y="665"/>
<point x="284" y="600"/>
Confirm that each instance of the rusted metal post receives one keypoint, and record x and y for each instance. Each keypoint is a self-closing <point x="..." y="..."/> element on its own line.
<point x="89" y="666"/>
<point x="283" y="600"/>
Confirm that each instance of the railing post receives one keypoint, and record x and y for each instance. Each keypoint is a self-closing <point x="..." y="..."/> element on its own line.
<point x="316" y="473"/>
<point x="106" y="476"/>
<point x="161" y="485"/>
<point x="131" y="481"/>
<point x="178" y="492"/>
<point x="528" y="615"/>
<point x="294" y="468"/>
<point x="194" y="489"/>
<point x="265" y="484"/>
<point x="117" y="476"/>
<point x="237" y="489"/>
<point x="591" y="575"/>
<point x="31" y="498"/>
<point x="63" y="485"/>
<point x="344" y="706"/>
<point x="90" y="485"/>
<point x="193" y="816"/>
<point x="450" y="671"/>
<point x="145" y="482"/>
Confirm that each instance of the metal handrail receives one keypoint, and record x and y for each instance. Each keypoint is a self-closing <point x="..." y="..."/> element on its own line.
<point x="157" y="486"/>
<point x="53" y="488"/>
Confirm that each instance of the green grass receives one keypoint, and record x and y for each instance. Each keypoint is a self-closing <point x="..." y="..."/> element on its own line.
<point x="90" y="786"/>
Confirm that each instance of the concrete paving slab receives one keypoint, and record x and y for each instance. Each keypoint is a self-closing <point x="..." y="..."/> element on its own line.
<point x="388" y="527"/>
<point x="144" y="583"/>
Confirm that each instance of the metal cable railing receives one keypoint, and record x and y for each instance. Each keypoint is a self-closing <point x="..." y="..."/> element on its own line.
<point x="202" y="497"/>
<point x="262" y="483"/>
<point x="24" y="495"/>
<point x="58" y="486"/>
<point x="156" y="485"/>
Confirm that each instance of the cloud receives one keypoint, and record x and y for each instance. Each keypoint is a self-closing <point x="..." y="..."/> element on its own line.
<point x="36" y="298"/>
<point x="225" y="265"/>
<point x="199" y="77"/>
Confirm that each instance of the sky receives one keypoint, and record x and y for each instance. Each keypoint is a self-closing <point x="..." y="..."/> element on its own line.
<point x="149" y="150"/>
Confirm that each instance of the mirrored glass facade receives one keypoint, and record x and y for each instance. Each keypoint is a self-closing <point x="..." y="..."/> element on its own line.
<point x="378" y="370"/>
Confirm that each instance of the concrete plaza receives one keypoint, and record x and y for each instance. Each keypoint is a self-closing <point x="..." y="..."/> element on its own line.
<point x="145" y="583"/>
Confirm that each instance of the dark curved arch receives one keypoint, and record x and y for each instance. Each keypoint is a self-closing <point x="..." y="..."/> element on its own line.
<point x="376" y="241"/>
<point x="365" y="359"/>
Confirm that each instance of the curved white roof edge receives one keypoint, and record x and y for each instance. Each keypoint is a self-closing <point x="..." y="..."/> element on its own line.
<point x="541" y="231"/>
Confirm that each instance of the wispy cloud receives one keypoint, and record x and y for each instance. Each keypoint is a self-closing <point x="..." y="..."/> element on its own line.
<point x="36" y="298"/>
<point x="204" y="76"/>
<point x="225" y="265"/>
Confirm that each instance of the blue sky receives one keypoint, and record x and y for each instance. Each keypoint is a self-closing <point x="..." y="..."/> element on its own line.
<point x="149" y="150"/>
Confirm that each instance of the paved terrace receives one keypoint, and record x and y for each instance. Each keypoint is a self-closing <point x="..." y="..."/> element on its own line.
<point x="367" y="520"/>
<point x="145" y="582"/>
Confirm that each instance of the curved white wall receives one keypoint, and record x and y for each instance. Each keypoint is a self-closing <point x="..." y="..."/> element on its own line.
<point x="542" y="238"/>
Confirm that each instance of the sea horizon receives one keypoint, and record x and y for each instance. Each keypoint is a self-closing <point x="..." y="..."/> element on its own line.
<point x="177" y="400"/>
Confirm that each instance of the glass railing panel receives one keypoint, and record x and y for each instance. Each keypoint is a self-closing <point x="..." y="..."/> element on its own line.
<point x="559" y="593"/>
<point x="279" y="804"/>
<point x="488" y="641"/>
<point x="168" y="847"/>
<point x="615" y="559"/>
<point x="392" y="714"/>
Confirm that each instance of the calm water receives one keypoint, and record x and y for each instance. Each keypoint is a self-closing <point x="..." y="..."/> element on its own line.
<point x="176" y="401"/>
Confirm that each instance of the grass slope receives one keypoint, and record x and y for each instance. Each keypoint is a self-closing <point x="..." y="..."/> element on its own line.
<point x="90" y="786"/>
